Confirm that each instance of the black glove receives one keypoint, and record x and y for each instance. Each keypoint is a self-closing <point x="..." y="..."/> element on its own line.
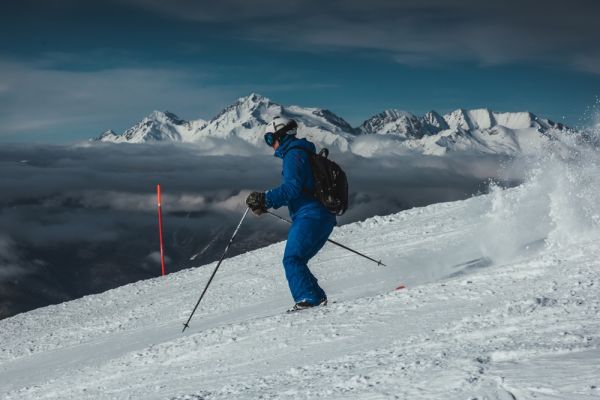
<point x="256" y="202"/>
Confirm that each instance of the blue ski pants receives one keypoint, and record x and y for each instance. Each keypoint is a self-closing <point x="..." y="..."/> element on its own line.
<point x="305" y="238"/>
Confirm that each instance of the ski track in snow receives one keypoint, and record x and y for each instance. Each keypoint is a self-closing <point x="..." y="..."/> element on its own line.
<point x="466" y="327"/>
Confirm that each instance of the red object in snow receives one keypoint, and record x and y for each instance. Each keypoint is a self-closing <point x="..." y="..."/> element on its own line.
<point x="402" y="286"/>
<point x="160" y="231"/>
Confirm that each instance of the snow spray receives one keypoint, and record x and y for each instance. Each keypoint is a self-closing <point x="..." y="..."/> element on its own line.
<point x="557" y="205"/>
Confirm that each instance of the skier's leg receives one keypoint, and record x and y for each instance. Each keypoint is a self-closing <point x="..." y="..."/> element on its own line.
<point x="305" y="239"/>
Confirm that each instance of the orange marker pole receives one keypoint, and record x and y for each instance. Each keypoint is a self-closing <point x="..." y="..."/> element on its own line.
<point x="160" y="231"/>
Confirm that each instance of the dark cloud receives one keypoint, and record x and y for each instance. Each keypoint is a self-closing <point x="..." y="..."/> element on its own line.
<point x="415" y="32"/>
<point x="82" y="219"/>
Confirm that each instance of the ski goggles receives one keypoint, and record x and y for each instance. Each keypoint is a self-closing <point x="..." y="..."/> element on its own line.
<point x="270" y="138"/>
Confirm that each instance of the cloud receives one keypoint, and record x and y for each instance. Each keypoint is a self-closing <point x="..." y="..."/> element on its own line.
<point x="82" y="219"/>
<point x="16" y="266"/>
<point x="11" y="264"/>
<point x="222" y="11"/>
<point x="155" y="258"/>
<point x="40" y="98"/>
<point x="412" y="32"/>
<point x="588" y="63"/>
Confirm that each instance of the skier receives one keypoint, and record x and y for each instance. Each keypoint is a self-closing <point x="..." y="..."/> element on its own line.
<point x="312" y="223"/>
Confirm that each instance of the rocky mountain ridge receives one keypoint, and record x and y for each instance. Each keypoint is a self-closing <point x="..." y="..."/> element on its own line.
<point x="478" y="130"/>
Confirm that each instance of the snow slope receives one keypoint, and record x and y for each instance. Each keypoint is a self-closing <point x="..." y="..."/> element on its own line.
<point x="502" y="302"/>
<point x="395" y="131"/>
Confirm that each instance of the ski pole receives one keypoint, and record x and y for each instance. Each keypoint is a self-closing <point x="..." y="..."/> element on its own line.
<point x="186" y="325"/>
<point x="332" y="241"/>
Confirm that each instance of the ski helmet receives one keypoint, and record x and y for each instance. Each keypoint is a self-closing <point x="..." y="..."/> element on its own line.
<point x="279" y="128"/>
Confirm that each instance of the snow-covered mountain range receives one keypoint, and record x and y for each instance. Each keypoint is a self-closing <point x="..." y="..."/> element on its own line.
<point x="396" y="131"/>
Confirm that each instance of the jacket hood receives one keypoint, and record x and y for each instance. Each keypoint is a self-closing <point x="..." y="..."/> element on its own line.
<point x="294" y="142"/>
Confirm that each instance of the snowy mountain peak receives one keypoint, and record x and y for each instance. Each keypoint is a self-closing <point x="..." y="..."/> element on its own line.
<point x="395" y="122"/>
<point x="481" y="118"/>
<point x="246" y="119"/>
<point x="333" y="118"/>
<point x="253" y="98"/>
<point x="107" y="136"/>
<point x="163" y="117"/>
<point x="519" y="120"/>
<point x="318" y="117"/>
<point x="435" y="121"/>
<point x="252" y="106"/>
<point x="158" y="126"/>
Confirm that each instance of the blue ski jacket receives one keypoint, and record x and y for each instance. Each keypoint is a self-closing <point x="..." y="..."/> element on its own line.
<point x="298" y="183"/>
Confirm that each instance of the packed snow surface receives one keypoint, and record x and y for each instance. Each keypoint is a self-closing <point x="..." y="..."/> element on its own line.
<point x="502" y="301"/>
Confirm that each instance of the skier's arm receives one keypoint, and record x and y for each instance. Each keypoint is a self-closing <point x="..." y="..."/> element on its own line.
<point x="294" y="175"/>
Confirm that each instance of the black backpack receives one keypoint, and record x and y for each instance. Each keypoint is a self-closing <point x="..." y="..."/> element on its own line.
<point x="331" y="185"/>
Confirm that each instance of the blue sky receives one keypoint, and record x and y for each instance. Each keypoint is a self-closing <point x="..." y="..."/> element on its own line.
<point x="70" y="69"/>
